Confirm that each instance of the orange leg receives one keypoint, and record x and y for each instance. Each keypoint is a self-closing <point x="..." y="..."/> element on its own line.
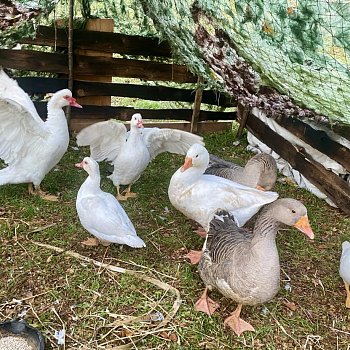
<point x="347" y="303"/>
<point x="205" y="304"/>
<point x="130" y="194"/>
<point x="236" y="323"/>
<point x="194" y="256"/>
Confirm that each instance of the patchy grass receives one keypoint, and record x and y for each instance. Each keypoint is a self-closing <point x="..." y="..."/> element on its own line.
<point x="55" y="291"/>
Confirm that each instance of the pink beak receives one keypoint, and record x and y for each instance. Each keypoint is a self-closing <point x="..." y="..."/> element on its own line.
<point x="139" y="124"/>
<point x="79" y="165"/>
<point x="73" y="102"/>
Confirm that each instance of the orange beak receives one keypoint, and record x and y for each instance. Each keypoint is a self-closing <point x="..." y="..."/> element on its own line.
<point x="187" y="164"/>
<point x="260" y="188"/>
<point x="79" y="165"/>
<point x="303" y="225"/>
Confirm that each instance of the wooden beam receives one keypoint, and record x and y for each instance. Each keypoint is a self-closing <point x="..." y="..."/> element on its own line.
<point x="325" y="180"/>
<point x="101" y="41"/>
<point x="125" y="113"/>
<point x="317" y="139"/>
<point x="100" y="25"/>
<point x="242" y="115"/>
<point x="129" y="68"/>
<point x="146" y="92"/>
<point x="197" y="106"/>
<point x="104" y="66"/>
<point x="34" y="61"/>
<point x="203" y="127"/>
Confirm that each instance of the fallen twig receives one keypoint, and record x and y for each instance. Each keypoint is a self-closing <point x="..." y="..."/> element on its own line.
<point x="162" y="285"/>
<point x="39" y="229"/>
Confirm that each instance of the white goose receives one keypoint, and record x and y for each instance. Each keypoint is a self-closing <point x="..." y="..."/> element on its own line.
<point x="100" y="213"/>
<point x="344" y="269"/>
<point x="30" y="146"/>
<point x="200" y="196"/>
<point x="131" y="152"/>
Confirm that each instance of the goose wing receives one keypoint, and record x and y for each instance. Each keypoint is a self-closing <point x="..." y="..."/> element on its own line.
<point x="20" y="125"/>
<point x="105" y="215"/>
<point x="104" y="138"/>
<point x="169" y="140"/>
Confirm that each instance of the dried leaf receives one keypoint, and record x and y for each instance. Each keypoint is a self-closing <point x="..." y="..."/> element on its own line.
<point x="173" y="337"/>
<point x="164" y="335"/>
<point x="290" y="305"/>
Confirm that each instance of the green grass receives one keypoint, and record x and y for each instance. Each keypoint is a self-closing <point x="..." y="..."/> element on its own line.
<point x="87" y="298"/>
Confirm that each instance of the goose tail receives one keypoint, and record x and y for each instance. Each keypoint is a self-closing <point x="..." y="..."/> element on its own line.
<point x="135" y="242"/>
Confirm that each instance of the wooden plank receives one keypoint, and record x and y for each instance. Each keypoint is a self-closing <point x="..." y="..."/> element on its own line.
<point x="154" y="93"/>
<point x="99" y="25"/>
<point x="37" y="61"/>
<point x="129" y="68"/>
<point x="146" y="92"/>
<point x="204" y="127"/>
<point x="58" y="63"/>
<point x="197" y="106"/>
<point x="317" y="139"/>
<point x="125" y="113"/>
<point x="326" y="181"/>
<point x="100" y="41"/>
<point x="242" y="115"/>
<point x="41" y="85"/>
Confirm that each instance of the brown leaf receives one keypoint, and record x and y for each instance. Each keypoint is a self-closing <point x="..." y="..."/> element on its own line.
<point x="290" y="305"/>
<point x="164" y="335"/>
<point x="127" y="332"/>
<point x="173" y="337"/>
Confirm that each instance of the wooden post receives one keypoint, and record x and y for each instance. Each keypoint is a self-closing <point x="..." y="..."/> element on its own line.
<point x="102" y="25"/>
<point x="197" y="106"/>
<point x="70" y="54"/>
<point x="242" y="116"/>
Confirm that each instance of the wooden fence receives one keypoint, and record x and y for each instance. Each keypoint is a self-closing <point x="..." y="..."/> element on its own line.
<point x="336" y="188"/>
<point x="151" y="61"/>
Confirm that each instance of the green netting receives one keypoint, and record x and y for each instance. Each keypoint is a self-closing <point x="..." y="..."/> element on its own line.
<point x="251" y="49"/>
<point x="301" y="48"/>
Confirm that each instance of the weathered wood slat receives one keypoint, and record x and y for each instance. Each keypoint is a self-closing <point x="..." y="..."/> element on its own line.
<point x="34" y="61"/>
<point x="154" y="93"/>
<point x="101" y="41"/>
<point x="41" y="85"/>
<point x="317" y="139"/>
<point x="78" y="124"/>
<point x="103" y="66"/>
<point x="120" y="67"/>
<point x="326" y="181"/>
<point x="125" y="113"/>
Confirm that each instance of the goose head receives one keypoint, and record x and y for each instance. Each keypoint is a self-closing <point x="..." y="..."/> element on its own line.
<point x="63" y="98"/>
<point x="136" y="121"/>
<point x="196" y="157"/>
<point x="89" y="165"/>
<point x="292" y="213"/>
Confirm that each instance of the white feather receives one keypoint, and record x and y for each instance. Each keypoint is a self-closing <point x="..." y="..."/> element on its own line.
<point x="101" y="214"/>
<point x="200" y="196"/>
<point x="30" y="146"/>
<point x="344" y="269"/>
<point x="131" y="152"/>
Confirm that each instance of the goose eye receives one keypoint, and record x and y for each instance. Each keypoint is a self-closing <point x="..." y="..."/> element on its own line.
<point x="85" y="162"/>
<point x="293" y="211"/>
<point x="197" y="156"/>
